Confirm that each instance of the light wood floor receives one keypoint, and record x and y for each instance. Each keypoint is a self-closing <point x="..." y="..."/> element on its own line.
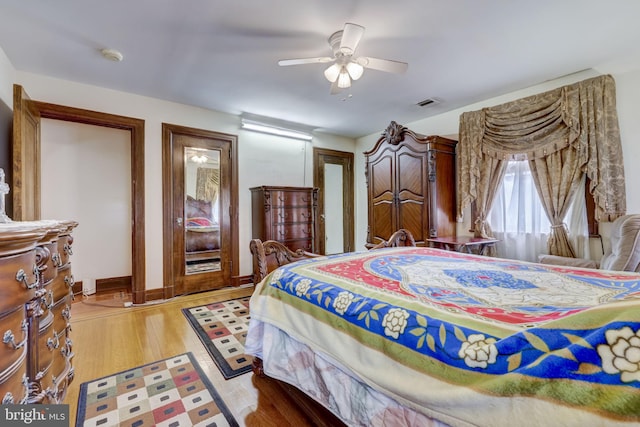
<point x="109" y="338"/>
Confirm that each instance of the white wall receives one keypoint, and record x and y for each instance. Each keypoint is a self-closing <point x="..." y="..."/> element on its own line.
<point x="627" y="79"/>
<point x="7" y="75"/>
<point x="262" y="160"/>
<point x="86" y="174"/>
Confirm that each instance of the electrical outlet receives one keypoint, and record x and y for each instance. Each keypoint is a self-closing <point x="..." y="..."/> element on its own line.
<point x="128" y="304"/>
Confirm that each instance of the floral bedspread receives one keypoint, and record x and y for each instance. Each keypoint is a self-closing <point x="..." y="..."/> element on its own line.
<point x="469" y="340"/>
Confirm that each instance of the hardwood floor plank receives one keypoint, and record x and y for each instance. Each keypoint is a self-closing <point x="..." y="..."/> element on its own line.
<point x="109" y="338"/>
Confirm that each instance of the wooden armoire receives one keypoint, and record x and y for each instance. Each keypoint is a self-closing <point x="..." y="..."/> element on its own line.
<point x="411" y="184"/>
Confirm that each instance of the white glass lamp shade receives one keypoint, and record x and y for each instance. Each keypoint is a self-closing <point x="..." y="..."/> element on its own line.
<point x="344" y="81"/>
<point x="355" y="70"/>
<point x="332" y="72"/>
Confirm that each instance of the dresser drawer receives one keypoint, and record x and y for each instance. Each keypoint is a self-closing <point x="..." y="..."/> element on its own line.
<point x="304" y="244"/>
<point x="61" y="285"/>
<point x="61" y="312"/>
<point x="56" y="379"/>
<point x="292" y="231"/>
<point x="14" y="337"/>
<point x="13" y="389"/>
<point x="288" y="215"/>
<point x="18" y="280"/>
<point x="290" y="198"/>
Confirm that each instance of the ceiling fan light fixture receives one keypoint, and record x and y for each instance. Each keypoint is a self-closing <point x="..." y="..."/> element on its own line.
<point x="344" y="81"/>
<point x="332" y="72"/>
<point x="355" y="70"/>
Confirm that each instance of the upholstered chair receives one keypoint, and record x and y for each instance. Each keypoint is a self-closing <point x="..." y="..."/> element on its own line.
<point x="623" y="254"/>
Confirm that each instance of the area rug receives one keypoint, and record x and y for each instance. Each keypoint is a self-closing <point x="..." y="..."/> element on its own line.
<point x="222" y="328"/>
<point x="171" y="392"/>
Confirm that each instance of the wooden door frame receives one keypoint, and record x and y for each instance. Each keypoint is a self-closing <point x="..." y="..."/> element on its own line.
<point x="320" y="157"/>
<point x="135" y="127"/>
<point x="168" y="186"/>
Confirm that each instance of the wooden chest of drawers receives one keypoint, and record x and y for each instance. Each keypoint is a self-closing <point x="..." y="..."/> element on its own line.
<point x="285" y="214"/>
<point x="35" y="311"/>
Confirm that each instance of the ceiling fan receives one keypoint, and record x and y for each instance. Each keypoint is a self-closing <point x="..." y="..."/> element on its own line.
<point x="346" y="67"/>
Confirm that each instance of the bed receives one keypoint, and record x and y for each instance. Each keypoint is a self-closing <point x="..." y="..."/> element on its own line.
<point x="423" y="336"/>
<point x="202" y="238"/>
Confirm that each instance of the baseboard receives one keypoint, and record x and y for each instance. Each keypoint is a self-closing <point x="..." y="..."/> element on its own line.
<point x="154" y="294"/>
<point x="122" y="283"/>
<point x="77" y="288"/>
<point x="243" y="280"/>
<point x="159" y="294"/>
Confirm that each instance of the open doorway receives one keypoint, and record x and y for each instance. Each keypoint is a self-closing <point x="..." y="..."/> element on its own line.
<point x="27" y="115"/>
<point x="333" y="175"/>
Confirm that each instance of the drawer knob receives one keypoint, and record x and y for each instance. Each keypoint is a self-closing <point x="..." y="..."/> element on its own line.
<point x="9" y="337"/>
<point x="56" y="259"/>
<point x="67" y="249"/>
<point x="70" y="281"/>
<point x="48" y="304"/>
<point x="66" y="313"/>
<point x="54" y="342"/>
<point x="21" y="276"/>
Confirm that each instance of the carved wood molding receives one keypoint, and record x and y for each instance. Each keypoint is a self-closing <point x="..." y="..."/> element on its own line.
<point x="394" y="133"/>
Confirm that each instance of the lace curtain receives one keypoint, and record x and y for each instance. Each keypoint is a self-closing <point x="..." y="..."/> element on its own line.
<point x="563" y="134"/>
<point x="518" y="219"/>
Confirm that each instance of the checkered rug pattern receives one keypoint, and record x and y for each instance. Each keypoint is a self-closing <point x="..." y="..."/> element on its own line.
<point x="222" y="328"/>
<point x="172" y="392"/>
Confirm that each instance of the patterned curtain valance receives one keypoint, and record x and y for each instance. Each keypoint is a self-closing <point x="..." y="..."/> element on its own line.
<point x="581" y="116"/>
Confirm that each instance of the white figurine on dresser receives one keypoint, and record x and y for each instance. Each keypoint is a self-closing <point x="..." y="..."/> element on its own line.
<point x="4" y="190"/>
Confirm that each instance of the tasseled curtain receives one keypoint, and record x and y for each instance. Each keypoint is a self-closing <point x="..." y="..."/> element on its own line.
<point x="563" y="134"/>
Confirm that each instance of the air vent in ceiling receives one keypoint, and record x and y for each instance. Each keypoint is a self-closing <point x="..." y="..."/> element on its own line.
<point x="428" y="101"/>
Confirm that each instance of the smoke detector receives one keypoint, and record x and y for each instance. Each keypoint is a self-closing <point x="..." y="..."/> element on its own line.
<point x="112" y="55"/>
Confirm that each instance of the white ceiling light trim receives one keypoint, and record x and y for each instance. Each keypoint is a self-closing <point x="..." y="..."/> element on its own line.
<point x="276" y="127"/>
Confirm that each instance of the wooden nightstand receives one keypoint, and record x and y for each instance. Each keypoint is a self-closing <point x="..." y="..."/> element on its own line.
<point x="468" y="244"/>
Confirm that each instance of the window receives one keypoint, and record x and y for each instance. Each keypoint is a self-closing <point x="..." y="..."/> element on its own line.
<point x="518" y="219"/>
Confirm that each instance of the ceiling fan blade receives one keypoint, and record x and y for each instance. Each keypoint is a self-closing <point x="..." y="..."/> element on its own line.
<point x="300" y="61"/>
<point x="334" y="88"/>
<point x="387" y="65"/>
<point x="351" y="35"/>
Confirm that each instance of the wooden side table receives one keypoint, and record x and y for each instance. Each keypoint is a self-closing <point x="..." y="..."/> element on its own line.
<point x="468" y="244"/>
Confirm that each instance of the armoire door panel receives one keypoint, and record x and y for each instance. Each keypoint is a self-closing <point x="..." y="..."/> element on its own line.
<point x="411" y="216"/>
<point x="383" y="218"/>
<point x="381" y="177"/>
<point x="410" y="172"/>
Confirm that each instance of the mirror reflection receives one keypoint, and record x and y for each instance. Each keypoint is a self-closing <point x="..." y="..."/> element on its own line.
<point x="202" y="210"/>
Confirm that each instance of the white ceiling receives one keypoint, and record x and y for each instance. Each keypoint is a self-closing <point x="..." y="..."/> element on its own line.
<point x="223" y="54"/>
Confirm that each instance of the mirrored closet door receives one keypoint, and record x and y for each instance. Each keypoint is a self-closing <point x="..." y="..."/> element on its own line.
<point x="199" y="194"/>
